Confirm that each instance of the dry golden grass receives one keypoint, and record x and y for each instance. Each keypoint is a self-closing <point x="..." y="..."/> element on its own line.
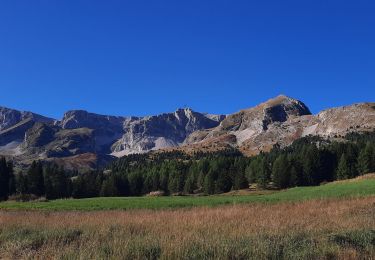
<point x="367" y="176"/>
<point x="311" y="229"/>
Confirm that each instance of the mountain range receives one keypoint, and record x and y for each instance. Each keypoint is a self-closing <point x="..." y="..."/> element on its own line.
<point x="83" y="140"/>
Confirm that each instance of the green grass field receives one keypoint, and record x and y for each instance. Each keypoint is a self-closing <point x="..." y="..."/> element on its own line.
<point x="353" y="188"/>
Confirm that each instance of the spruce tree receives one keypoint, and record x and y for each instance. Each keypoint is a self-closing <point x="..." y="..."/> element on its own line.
<point x="311" y="165"/>
<point x="163" y="179"/>
<point x="21" y="183"/>
<point x="224" y="182"/>
<point x="12" y="179"/>
<point x="35" y="179"/>
<point x="209" y="183"/>
<point x="55" y="182"/>
<point x="240" y="181"/>
<point x="351" y="154"/>
<point x="173" y="182"/>
<point x="4" y="179"/>
<point x="200" y="180"/>
<point x="122" y="185"/>
<point x="281" y="172"/>
<point x="155" y="180"/>
<point x="251" y="170"/>
<point x="109" y="188"/>
<point x="264" y="173"/>
<point x="364" y="161"/>
<point x="293" y="176"/>
<point x="189" y="185"/>
<point x="343" y="170"/>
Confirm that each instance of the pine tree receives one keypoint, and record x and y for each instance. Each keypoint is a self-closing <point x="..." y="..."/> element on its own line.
<point x="55" y="182"/>
<point x="311" y="165"/>
<point x="240" y="181"/>
<point x="250" y="171"/>
<point x="122" y="185"/>
<point x="78" y="187"/>
<point x="364" y="161"/>
<point x="281" y="172"/>
<point x="200" y="180"/>
<point x="223" y="183"/>
<point x="264" y="173"/>
<point x="173" y="182"/>
<point x="293" y="176"/>
<point x="163" y="179"/>
<point x="209" y="183"/>
<point x="351" y="154"/>
<point x="343" y="170"/>
<point x="135" y="183"/>
<point x="155" y="180"/>
<point x="35" y="179"/>
<point x="258" y="171"/>
<point x="12" y="178"/>
<point x="21" y="183"/>
<point x="189" y="185"/>
<point x="4" y="179"/>
<point x="109" y="188"/>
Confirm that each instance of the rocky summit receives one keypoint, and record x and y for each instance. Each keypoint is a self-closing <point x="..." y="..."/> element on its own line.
<point x="280" y="121"/>
<point x="86" y="140"/>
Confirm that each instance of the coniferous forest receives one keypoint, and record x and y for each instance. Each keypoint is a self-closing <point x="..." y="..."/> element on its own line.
<point x="308" y="161"/>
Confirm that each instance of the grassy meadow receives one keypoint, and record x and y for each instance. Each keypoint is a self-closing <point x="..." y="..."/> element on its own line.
<point x="332" y="221"/>
<point x="345" y="189"/>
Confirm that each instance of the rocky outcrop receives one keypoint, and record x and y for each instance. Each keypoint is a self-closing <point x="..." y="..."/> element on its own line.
<point x="161" y="131"/>
<point x="106" y="129"/>
<point x="10" y="117"/>
<point x="254" y="121"/>
<point x="281" y="121"/>
<point x="80" y="118"/>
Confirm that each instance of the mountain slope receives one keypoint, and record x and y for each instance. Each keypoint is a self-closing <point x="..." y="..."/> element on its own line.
<point x="85" y="136"/>
<point x="29" y="136"/>
<point x="281" y="121"/>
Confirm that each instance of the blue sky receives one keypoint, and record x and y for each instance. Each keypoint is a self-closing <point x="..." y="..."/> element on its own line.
<point x="147" y="57"/>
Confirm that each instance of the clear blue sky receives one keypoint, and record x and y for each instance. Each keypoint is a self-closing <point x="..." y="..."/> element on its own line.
<point x="147" y="57"/>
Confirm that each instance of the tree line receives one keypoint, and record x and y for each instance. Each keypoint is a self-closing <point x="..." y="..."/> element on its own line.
<point x="308" y="161"/>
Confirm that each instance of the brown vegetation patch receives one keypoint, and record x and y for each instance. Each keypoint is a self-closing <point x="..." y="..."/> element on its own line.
<point x="311" y="229"/>
<point x="361" y="177"/>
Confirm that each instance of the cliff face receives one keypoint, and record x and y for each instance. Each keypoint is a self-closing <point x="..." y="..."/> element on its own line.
<point x="162" y="131"/>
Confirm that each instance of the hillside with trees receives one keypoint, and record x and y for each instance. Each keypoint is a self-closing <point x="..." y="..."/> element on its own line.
<point x="308" y="161"/>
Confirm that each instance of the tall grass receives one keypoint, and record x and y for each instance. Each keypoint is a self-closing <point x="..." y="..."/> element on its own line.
<point x="315" y="229"/>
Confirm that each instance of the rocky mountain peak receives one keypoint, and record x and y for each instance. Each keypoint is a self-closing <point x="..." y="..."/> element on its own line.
<point x="185" y="110"/>
<point x="80" y="118"/>
<point x="184" y="113"/>
<point x="291" y="105"/>
<point x="257" y="118"/>
<point x="281" y="108"/>
<point x="161" y="131"/>
<point x="10" y="117"/>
